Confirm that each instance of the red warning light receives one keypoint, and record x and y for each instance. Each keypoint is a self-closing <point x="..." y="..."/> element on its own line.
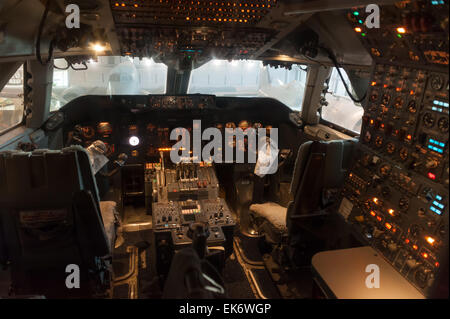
<point x="431" y="176"/>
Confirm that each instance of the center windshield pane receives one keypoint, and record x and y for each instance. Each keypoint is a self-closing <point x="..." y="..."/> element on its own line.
<point x="248" y="78"/>
<point x="109" y="75"/>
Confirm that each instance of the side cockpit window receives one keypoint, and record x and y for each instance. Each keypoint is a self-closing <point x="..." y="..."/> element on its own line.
<point x="341" y="109"/>
<point x="11" y="102"/>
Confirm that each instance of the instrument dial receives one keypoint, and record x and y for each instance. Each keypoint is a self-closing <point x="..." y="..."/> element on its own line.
<point x="88" y="132"/>
<point x="428" y="120"/>
<point x="412" y="108"/>
<point x="403" y="153"/>
<point x="437" y="82"/>
<point x="385" y="170"/>
<point x="443" y="124"/>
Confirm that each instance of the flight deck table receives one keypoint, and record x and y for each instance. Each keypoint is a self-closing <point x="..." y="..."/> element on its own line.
<point x="342" y="274"/>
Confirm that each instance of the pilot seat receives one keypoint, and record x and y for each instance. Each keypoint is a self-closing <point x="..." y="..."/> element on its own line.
<point x="51" y="219"/>
<point x="320" y="168"/>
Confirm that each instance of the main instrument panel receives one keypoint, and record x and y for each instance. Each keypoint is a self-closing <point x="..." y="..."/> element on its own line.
<point x="396" y="194"/>
<point x="140" y="126"/>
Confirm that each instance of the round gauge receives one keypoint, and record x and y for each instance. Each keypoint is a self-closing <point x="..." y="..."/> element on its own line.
<point x="104" y="128"/>
<point x="379" y="141"/>
<point x="385" y="169"/>
<point x="243" y="125"/>
<point x="398" y="102"/>
<point x="386" y="99"/>
<point x="428" y="120"/>
<point x="390" y="148"/>
<point x="88" y="132"/>
<point x="367" y="137"/>
<point x="403" y="204"/>
<point x="374" y="97"/>
<point x="436" y="82"/>
<point x="443" y="124"/>
<point x="403" y="153"/>
<point x="230" y="125"/>
<point x="412" y="108"/>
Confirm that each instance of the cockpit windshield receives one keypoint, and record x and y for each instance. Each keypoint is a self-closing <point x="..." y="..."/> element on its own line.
<point x="249" y="78"/>
<point x="115" y="75"/>
<point x="108" y="75"/>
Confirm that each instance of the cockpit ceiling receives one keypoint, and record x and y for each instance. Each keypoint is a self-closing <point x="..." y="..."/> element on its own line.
<point x="199" y="13"/>
<point x="184" y="33"/>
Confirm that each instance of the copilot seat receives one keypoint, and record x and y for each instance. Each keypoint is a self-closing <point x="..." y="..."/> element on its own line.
<point x="319" y="166"/>
<point x="51" y="217"/>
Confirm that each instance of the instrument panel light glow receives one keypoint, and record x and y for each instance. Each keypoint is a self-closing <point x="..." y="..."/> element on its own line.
<point x="134" y="141"/>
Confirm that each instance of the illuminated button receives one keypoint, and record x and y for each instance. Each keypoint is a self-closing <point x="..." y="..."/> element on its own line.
<point x="430" y="240"/>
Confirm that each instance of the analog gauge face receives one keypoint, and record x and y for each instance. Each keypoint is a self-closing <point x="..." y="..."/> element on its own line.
<point x="385" y="169"/>
<point x="88" y="132"/>
<point x="230" y="125"/>
<point x="384" y="109"/>
<point x="428" y="120"/>
<point x="243" y="125"/>
<point x="437" y="82"/>
<point x="390" y="147"/>
<point x="403" y="153"/>
<point x="398" y="104"/>
<point x="412" y="108"/>
<point x="374" y="97"/>
<point x="379" y="141"/>
<point x="386" y="99"/>
<point x="443" y="124"/>
<point x="104" y="128"/>
<point x="403" y="204"/>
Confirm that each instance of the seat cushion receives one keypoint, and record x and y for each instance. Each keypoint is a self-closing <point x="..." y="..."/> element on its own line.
<point x="275" y="214"/>
<point x="110" y="220"/>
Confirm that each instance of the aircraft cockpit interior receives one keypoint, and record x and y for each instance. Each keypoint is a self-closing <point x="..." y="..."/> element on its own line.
<point x="224" y="149"/>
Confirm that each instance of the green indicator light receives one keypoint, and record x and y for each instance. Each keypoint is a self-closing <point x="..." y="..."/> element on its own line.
<point x="399" y="35"/>
<point x="363" y="34"/>
<point x="360" y="21"/>
<point x="356" y="13"/>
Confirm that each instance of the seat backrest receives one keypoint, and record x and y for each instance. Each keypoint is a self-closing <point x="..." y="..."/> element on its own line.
<point x="49" y="214"/>
<point x="319" y="166"/>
